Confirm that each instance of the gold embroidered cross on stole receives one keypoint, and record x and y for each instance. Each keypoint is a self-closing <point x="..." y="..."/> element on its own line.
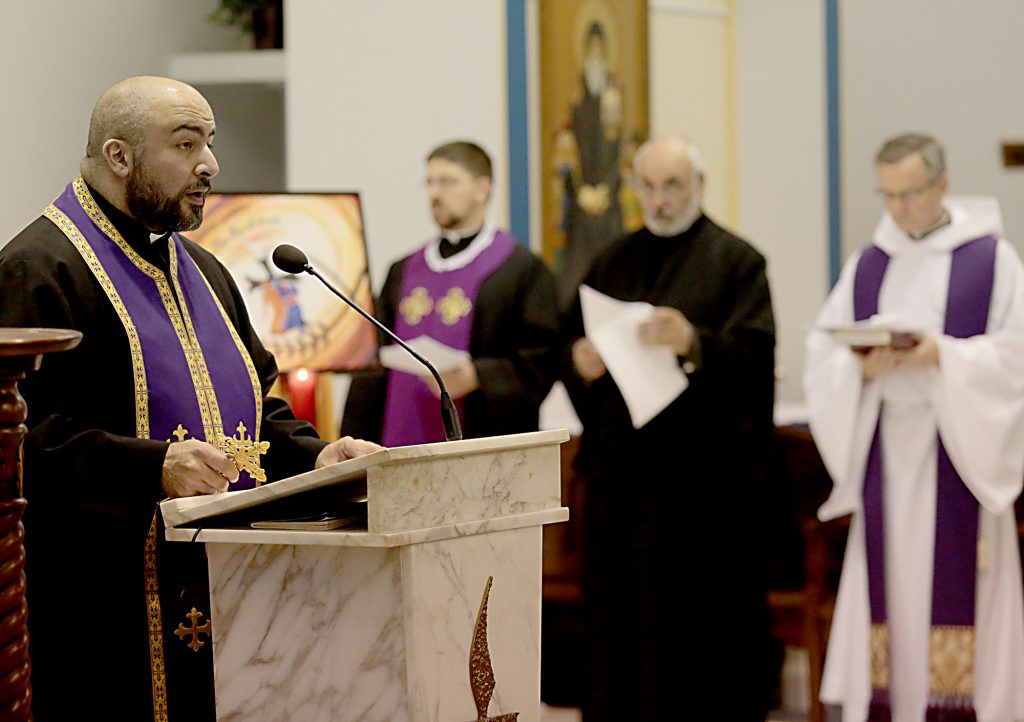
<point x="240" y="449"/>
<point x="195" y="630"/>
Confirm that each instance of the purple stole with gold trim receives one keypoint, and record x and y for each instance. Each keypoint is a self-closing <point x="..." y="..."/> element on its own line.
<point x="193" y="377"/>
<point x="439" y="304"/>
<point x="954" y="577"/>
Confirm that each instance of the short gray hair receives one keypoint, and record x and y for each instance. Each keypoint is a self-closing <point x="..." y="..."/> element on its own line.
<point x="691" y="150"/>
<point x="896" y="149"/>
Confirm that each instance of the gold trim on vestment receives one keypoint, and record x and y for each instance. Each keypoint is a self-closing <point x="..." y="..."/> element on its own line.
<point x="70" y="230"/>
<point x="166" y="296"/>
<point x="204" y="385"/>
<point x="158" y="670"/>
<point x="951" y="661"/>
<point x="257" y="388"/>
<point x="880" y="656"/>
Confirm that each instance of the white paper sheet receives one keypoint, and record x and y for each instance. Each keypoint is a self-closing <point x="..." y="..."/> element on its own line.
<point x="444" y="358"/>
<point x="648" y="377"/>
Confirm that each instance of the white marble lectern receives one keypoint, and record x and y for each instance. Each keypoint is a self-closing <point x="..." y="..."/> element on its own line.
<point x="378" y="625"/>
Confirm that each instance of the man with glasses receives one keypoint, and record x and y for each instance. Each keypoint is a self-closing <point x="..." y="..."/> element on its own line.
<point x="924" y="441"/>
<point x="670" y="561"/>
<point x="472" y="288"/>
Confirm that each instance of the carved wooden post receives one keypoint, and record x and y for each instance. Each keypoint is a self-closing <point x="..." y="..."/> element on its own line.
<point x="21" y="351"/>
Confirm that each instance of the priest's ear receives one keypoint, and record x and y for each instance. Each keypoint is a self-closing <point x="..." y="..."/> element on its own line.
<point x="119" y="157"/>
<point x="482" y="188"/>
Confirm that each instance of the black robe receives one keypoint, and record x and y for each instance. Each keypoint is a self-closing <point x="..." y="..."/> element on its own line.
<point x="93" y="487"/>
<point x="514" y="342"/>
<point x="669" y="506"/>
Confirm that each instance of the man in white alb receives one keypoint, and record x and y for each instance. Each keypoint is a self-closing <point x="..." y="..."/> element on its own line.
<point x="925" y="446"/>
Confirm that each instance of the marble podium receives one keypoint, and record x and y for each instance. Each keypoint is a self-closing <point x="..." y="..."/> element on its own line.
<point x="431" y="613"/>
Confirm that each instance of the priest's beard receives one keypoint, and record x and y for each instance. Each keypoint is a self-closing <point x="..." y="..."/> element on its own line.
<point x="595" y="72"/>
<point x="150" y="207"/>
<point x="663" y="225"/>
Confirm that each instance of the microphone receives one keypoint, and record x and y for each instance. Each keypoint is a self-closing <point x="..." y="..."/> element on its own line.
<point x="292" y="260"/>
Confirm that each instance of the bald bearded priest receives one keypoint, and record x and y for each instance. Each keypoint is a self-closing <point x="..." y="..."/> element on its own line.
<point x="166" y="396"/>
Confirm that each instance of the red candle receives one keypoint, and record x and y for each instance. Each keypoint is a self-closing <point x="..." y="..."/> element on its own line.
<point x="302" y="387"/>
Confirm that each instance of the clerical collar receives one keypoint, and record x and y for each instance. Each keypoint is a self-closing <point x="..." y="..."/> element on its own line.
<point x="453" y="243"/>
<point x="458" y="257"/>
<point x="134" y="233"/>
<point x="944" y="220"/>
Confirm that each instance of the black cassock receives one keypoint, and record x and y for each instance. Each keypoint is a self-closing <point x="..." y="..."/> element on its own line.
<point x="93" y="487"/>
<point x="514" y="342"/>
<point x="679" y="625"/>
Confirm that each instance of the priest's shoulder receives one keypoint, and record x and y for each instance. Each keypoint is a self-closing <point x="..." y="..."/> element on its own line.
<point x="729" y="246"/>
<point x="41" y="244"/>
<point x="523" y="257"/>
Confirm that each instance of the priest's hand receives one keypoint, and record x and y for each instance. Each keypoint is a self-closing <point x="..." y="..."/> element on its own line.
<point x="668" y="327"/>
<point x="588" y="362"/>
<point x="877" y="362"/>
<point x="460" y="381"/>
<point x="344" y="449"/>
<point x="922" y="354"/>
<point x="194" y="467"/>
<point x="886" y="359"/>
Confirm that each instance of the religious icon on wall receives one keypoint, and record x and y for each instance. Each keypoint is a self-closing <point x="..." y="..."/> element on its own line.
<point x="297" y="319"/>
<point x="593" y="56"/>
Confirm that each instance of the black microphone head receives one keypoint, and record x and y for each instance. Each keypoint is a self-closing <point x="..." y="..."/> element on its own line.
<point x="290" y="259"/>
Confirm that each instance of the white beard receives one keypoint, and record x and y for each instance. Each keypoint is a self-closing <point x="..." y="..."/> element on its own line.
<point x="595" y="74"/>
<point x="668" y="227"/>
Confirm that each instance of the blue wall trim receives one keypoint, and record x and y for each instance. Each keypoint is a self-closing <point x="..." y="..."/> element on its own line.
<point x="518" y="125"/>
<point x="834" y="169"/>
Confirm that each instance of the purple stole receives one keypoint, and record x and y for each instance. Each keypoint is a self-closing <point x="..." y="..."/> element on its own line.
<point x="439" y="304"/>
<point x="954" y="578"/>
<point x="193" y="377"/>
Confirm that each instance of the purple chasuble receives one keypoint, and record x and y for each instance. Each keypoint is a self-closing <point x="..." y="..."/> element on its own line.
<point x="193" y="377"/>
<point x="954" y="577"/>
<point x="439" y="304"/>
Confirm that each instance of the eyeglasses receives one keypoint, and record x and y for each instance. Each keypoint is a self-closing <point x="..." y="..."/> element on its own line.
<point x="908" y="195"/>
<point x="443" y="182"/>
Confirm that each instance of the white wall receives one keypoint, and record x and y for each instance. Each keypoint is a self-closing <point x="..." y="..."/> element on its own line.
<point x="782" y="163"/>
<point x="943" y="67"/>
<point x="691" y="88"/>
<point x="374" y="86"/>
<point x="57" y="58"/>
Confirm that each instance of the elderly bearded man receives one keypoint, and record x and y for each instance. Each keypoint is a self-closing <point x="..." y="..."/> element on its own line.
<point x="670" y="504"/>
